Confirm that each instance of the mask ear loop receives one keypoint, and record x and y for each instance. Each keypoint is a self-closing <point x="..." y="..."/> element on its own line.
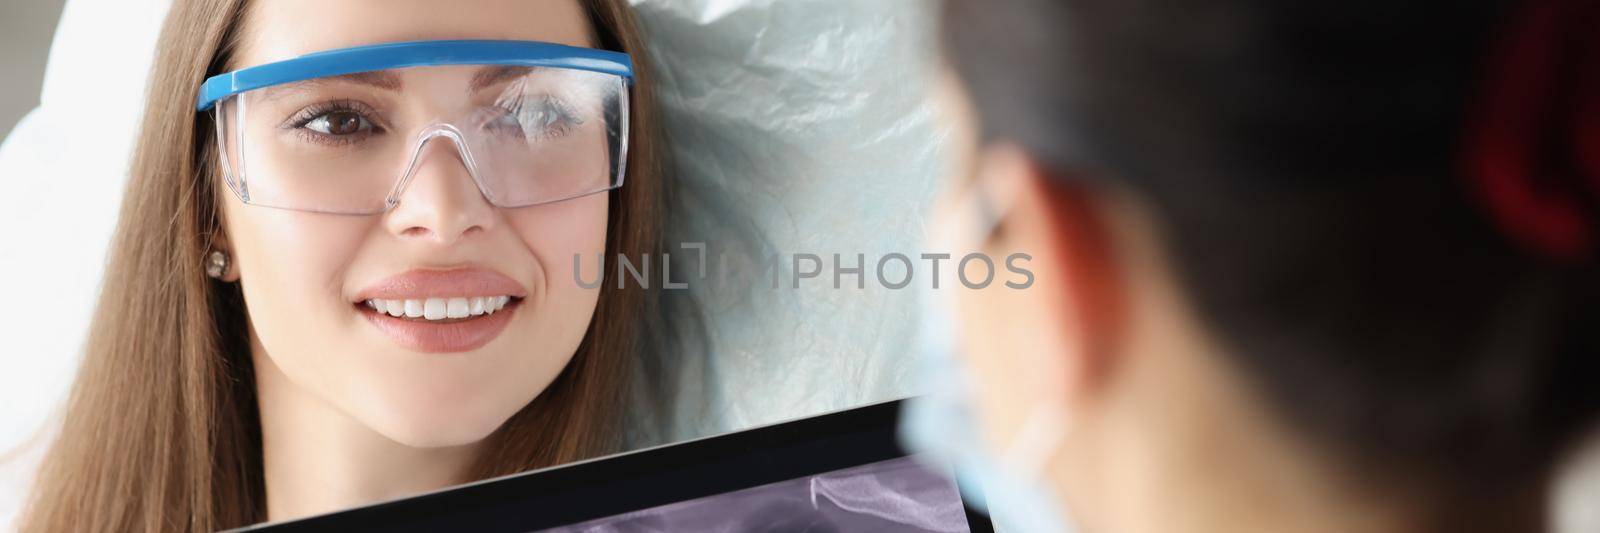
<point x="1033" y="447"/>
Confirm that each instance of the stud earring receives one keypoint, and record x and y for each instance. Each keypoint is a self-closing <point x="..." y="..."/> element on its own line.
<point x="216" y="264"/>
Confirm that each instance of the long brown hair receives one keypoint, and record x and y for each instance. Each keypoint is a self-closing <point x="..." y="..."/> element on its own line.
<point x="161" y="429"/>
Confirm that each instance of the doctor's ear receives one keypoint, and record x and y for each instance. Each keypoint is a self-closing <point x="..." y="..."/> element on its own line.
<point x="1064" y="223"/>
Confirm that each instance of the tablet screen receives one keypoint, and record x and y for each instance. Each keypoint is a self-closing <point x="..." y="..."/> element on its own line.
<point x="842" y="471"/>
<point x="898" y="495"/>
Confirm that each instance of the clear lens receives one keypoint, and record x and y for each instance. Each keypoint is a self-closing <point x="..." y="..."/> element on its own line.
<point x="349" y="144"/>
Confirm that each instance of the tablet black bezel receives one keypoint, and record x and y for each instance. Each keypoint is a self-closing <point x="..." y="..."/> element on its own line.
<point x="638" y="480"/>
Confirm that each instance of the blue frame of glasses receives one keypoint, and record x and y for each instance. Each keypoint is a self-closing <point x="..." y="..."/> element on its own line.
<point x="412" y="54"/>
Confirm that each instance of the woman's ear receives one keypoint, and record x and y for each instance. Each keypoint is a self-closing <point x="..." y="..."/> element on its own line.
<point x="223" y="200"/>
<point x="223" y="267"/>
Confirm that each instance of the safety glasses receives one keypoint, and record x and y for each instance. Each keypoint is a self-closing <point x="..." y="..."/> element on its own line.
<point x="344" y="131"/>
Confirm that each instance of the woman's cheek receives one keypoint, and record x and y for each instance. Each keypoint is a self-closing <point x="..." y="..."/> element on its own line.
<point x="291" y="267"/>
<point x="307" y="253"/>
<point x="558" y="234"/>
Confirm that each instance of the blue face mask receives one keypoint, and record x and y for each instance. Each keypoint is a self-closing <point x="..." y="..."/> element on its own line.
<point x="942" y="426"/>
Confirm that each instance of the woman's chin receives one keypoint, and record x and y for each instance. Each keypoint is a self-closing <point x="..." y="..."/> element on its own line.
<point x="436" y="432"/>
<point x="428" y="421"/>
<point x="438" y="403"/>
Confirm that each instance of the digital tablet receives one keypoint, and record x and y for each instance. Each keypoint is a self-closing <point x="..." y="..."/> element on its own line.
<point x="842" y="471"/>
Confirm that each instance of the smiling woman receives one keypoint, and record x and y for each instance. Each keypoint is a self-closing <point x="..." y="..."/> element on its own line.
<point x="350" y="284"/>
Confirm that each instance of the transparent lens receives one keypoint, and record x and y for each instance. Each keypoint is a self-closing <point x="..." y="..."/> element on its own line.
<point x="552" y="135"/>
<point x="347" y="144"/>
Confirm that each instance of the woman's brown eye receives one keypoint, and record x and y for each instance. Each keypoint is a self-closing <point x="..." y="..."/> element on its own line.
<point x="339" y="123"/>
<point x="536" y="119"/>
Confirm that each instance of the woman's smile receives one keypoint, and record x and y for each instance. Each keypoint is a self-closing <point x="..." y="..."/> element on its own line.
<point x="441" y="311"/>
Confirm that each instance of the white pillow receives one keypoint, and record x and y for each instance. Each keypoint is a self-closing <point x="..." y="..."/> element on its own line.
<point x="797" y="128"/>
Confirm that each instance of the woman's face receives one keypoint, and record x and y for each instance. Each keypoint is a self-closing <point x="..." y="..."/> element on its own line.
<point x="306" y="276"/>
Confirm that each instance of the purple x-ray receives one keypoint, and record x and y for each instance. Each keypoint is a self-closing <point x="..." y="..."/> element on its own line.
<point x="899" y="495"/>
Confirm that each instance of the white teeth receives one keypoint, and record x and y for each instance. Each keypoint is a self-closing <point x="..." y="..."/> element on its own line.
<point x="433" y="308"/>
<point x="456" y="308"/>
<point x="440" y="308"/>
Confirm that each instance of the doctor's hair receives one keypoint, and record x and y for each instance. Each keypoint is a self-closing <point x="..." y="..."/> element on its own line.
<point x="161" y="430"/>
<point x="1342" y="188"/>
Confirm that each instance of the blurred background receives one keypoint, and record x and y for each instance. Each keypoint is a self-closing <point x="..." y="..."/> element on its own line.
<point x="26" y="27"/>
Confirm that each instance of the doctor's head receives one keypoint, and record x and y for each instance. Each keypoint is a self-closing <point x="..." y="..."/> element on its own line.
<point x="1290" y="257"/>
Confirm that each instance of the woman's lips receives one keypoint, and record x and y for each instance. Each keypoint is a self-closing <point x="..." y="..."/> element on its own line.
<point x="446" y="323"/>
<point x="418" y="284"/>
<point x="448" y="336"/>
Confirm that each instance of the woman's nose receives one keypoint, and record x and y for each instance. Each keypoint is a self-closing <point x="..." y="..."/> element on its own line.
<point x="440" y="201"/>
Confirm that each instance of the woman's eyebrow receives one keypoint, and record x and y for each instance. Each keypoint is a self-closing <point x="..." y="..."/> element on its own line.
<point x="382" y="79"/>
<point x="491" y="75"/>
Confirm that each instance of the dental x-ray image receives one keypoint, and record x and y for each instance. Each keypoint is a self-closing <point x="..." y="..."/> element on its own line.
<point x="898" y="495"/>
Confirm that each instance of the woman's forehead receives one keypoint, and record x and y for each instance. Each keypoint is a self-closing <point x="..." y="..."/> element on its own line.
<point x="282" y="29"/>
